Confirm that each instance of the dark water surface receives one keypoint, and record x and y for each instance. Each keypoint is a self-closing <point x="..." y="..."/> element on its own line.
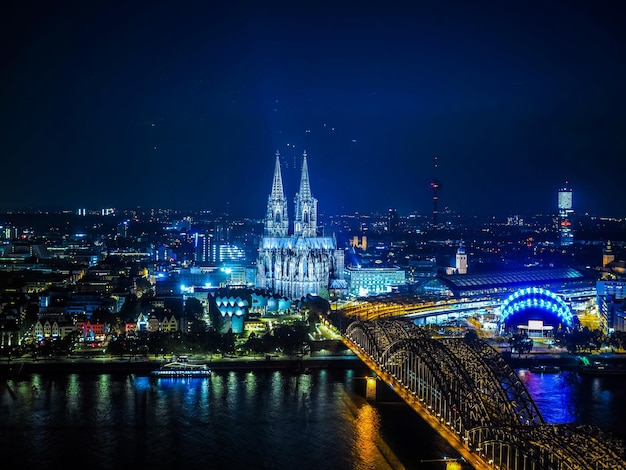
<point x="232" y="420"/>
<point x="567" y="397"/>
<point x="246" y="420"/>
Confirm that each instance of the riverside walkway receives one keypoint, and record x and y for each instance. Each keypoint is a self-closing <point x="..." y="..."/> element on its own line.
<point x="140" y="365"/>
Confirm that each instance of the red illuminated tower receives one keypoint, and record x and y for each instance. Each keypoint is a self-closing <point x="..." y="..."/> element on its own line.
<point x="435" y="185"/>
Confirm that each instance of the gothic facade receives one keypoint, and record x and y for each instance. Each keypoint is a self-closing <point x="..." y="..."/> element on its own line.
<point x="293" y="260"/>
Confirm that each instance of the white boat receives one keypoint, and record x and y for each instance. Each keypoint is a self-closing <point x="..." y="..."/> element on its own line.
<point x="182" y="369"/>
<point x="545" y="369"/>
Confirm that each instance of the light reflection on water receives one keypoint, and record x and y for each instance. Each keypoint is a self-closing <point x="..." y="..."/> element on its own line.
<point x="251" y="420"/>
<point x="554" y="395"/>
<point x="230" y="420"/>
<point x="566" y="397"/>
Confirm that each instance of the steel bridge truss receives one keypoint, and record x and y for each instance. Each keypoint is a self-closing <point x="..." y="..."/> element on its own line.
<point x="469" y="387"/>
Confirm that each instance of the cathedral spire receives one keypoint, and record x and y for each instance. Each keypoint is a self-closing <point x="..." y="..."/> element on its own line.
<point x="276" y="220"/>
<point x="277" y="184"/>
<point x="305" y="186"/>
<point x="305" y="220"/>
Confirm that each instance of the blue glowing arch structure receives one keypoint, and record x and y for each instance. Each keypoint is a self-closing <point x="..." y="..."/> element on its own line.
<point x="538" y="298"/>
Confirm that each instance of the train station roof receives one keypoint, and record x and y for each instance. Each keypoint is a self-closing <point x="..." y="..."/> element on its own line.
<point x="527" y="277"/>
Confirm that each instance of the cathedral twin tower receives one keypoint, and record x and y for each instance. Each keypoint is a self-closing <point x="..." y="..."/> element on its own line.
<point x="277" y="220"/>
<point x="299" y="263"/>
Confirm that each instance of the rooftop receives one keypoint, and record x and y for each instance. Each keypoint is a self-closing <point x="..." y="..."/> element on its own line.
<point x="529" y="276"/>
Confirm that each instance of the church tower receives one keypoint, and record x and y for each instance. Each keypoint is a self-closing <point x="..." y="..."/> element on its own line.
<point x="305" y="221"/>
<point x="461" y="259"/>
<point x="276" y="219"/>
<point x="607" y="255"/>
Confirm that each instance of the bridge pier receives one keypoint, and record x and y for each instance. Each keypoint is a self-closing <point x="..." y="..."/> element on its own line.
<point x="377" y="390"/>
<point x="370" y="388"/>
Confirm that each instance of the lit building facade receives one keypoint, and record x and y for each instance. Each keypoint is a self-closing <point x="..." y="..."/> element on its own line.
<point x="221" y="252"/>
<point x="298" y="263"/>
<point x="202" y="247"/>
<point x="365" y="282"/>
<point x="566" y="208"/>
<point x="359" y="242"/>
<point x="607" y="255"/>
<point x="610" y="300"/>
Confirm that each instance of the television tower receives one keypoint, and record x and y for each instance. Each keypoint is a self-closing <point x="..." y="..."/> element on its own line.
<point x="435" y="186"/>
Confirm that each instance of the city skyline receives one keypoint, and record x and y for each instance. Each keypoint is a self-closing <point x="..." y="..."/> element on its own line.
<point x="155" y="104"/>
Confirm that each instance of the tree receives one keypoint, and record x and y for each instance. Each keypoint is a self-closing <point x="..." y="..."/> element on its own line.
<point x="581" y="339"/>
<point x="291" y="339"/>
<point x="227" y="345"/>
<point x="617" y="339"/>
<point x="143" y="285"/>
<point x="521" y="343"/>
<point x="30" y="318"/>
<point x="103" y="315"/>
<point x="194" y="313"/>
<point x="471" y="335"/>
<point x="315" y="307"/>
<point x="194" y="309"/>
<point x="324" y="294"/>
<point x="217" y="321"/>
<point x="255" y="345"/>
<point x="130" y="309"/>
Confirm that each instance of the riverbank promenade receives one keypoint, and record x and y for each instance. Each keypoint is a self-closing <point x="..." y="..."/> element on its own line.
<point x="343" y="359"/>
<point x="143" y="366"/>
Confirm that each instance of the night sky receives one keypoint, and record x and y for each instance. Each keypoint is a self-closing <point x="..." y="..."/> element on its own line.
<point x="184" y="104"/>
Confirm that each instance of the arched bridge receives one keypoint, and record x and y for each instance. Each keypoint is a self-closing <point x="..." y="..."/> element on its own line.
<point x="467" y="392"/>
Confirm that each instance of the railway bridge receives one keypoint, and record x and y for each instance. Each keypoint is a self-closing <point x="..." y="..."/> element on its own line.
<point x="468" y="393"/>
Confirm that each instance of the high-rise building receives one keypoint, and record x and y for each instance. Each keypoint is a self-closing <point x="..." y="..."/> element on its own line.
<point x="565" y="207"/>
<point x="301" y="263"/>
<point x="202" y="247"/>
<point x="122" y="229"/>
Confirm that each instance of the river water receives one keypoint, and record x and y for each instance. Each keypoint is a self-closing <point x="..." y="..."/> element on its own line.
<point x="247" y="420"/>
<point x="567" y="397"/>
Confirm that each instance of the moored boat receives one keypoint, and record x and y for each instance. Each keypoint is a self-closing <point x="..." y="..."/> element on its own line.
<point x="182" y="369"/>
<point x="601" y="369"/>
<point x="545" y="369"/>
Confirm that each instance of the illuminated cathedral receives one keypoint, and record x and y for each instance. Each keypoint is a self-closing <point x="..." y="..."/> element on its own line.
<point x="293" y="260"/>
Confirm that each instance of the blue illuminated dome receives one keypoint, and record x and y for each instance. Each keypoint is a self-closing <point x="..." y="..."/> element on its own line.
<point x="532" y="302"/>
